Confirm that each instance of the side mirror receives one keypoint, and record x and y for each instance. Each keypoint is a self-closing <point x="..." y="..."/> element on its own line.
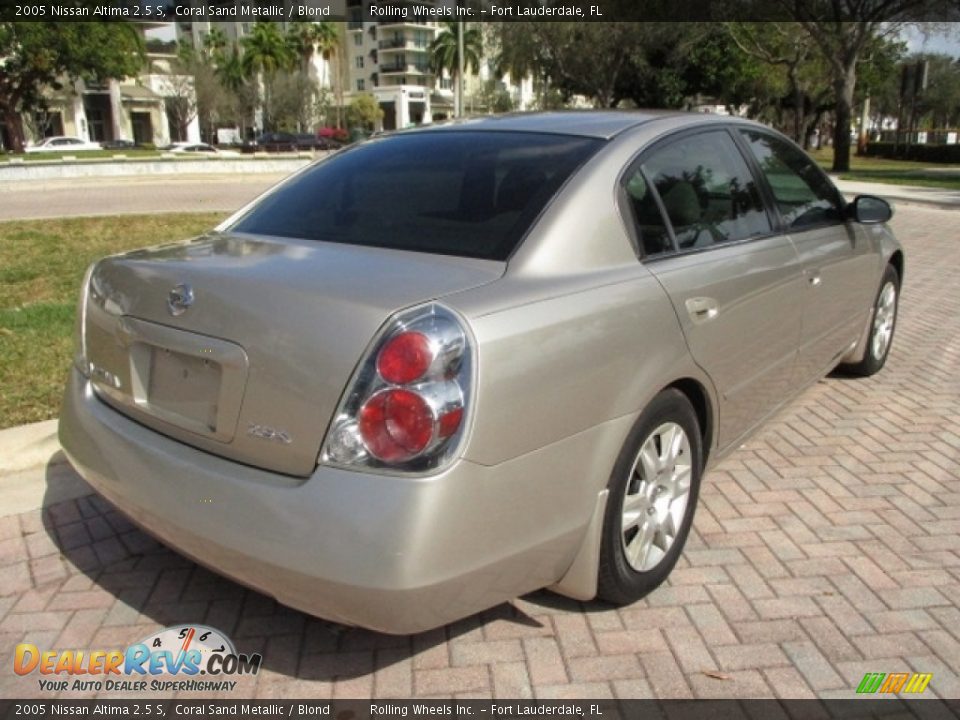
<point x="869" y="210"/>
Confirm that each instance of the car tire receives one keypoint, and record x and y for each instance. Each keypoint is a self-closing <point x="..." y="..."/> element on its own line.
<point x="883" y="322"/>
<point x="645" y="526"/>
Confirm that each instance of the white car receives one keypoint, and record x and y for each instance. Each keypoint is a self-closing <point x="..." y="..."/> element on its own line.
<point x="63" y="143"/>
<point x="189" y="148"/>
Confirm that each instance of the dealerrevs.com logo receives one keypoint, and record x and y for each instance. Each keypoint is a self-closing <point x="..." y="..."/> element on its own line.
<point x="189" y="651"/>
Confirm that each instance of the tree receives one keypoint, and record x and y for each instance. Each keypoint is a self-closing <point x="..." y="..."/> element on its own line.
<point x="194" y="90"/>
<point x="939" y="103"/>
<point x="330" y="49"/>
<point x="364" y="111"/>
<point x="445" y="53"/>
<point x="40" y="56"/>
<point x="302" y="38"/>
<point x="842" y="31"/>
<point x="266" y="52"/>
<point x="241" y="100"/>
<point x="783" y="45"/>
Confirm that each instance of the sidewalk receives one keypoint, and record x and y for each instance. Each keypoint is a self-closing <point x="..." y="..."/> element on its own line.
<point x="937" y="197"/>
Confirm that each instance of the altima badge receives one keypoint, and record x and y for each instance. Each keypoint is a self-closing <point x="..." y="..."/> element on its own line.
<point x="264" y="432"/>
<point x="179" y="299"/>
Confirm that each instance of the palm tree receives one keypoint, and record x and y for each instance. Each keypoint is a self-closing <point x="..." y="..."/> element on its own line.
<point x="302" y="38"/>
<point x="232" y="76"/>
<point x="328" y="45"/>
<point x="230" y="70"/>
<point x="215" y="43"/>
<point x="266" y="51"/>
<point x="445" y="56"/>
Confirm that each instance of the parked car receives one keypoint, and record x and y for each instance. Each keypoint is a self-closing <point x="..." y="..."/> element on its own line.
<point x="63" y="143"/>
<point x="290" y="142"/>
<point x="200" y="149"/>
<point x="118" y="145"/>
<point x="453" y="365"/>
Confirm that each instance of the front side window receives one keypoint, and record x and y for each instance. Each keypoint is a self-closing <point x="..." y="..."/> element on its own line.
<point x="707" y="190"/>
<point x="465" y="193"/>
<point x="802" y="192"/>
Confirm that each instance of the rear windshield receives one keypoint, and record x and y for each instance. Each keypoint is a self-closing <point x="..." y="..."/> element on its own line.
<point x="453" y="193"/>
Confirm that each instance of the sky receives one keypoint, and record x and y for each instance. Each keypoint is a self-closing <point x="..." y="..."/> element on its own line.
<point x="947" y="42"/>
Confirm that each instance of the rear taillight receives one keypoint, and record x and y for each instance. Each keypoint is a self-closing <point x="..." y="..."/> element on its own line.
<point x="80" y="324"/>
<point x="405" y="406"/>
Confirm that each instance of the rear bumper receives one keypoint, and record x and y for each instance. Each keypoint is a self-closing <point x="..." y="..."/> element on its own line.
<point x="398" y="555"/>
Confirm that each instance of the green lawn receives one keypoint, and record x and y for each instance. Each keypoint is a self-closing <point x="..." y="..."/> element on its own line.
<point x="894" y="172"/>
<point x="82" y="155"/>
<point x="41" y="265"/>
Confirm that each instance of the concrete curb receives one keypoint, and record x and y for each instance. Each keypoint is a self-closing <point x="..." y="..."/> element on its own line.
<point x="21" y="172"/>
<point x="34" y="473"/>
<point x="29" y="446"/>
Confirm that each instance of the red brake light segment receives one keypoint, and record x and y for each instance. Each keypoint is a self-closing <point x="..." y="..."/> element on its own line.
<point x="405" y="409"/>
<point x="395" y="425"/>
<point x="405" y="358"/>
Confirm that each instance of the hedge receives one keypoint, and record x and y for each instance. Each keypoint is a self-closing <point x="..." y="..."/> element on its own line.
<point x="921" y="153"/>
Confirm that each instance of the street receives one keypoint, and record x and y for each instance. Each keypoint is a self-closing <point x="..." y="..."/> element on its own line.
<point x="827" y="547"/>
<point x="142" y="194"/>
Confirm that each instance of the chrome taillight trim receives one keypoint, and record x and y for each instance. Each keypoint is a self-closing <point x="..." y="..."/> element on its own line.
<point x="450" y="378"/>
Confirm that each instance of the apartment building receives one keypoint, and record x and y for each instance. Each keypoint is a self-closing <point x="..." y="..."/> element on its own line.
<point x="390" y="59"/>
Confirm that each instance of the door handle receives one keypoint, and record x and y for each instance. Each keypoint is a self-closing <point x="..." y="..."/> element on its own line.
<point x="814" y="277"/>
<point x="702" y="309"/>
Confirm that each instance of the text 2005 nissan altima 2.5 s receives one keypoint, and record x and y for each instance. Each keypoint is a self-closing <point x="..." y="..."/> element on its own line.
<point x="453" y="365"/>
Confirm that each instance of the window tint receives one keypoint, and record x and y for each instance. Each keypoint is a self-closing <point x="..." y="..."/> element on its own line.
<point x="707" y="190"/>
<point x="455" y="193"/>
<point x="647" y="218"/>
<point x="802" y="192"/>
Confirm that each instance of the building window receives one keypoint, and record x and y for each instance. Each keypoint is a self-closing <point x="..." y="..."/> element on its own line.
<point x="358" y="39"/>
<point x="358" y="61"/>
<point x="361" y="85"/>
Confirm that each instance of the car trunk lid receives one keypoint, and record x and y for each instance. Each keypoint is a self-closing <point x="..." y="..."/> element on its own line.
<point x="242" y="345"/>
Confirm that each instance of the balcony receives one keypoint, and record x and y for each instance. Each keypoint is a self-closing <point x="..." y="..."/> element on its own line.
<point x="406" y="69"/>
<point x="403" y="44"/>
<point x="401" y="23"/>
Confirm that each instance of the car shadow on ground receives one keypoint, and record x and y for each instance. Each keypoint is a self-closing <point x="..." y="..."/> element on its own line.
<point x="155" y="587"/>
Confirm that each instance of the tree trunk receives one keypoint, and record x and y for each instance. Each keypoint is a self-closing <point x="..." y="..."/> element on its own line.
<point x="799" y="106"/>
<point x="14" y="124"/>
<point x="844" y="84"/>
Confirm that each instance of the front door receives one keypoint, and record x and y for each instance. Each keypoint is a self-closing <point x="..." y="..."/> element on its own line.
<point x="838" y="265"/>
<point x="735" y="285"/>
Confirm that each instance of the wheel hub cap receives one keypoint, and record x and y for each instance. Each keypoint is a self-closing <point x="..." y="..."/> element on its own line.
<point x="883" y="318"/>
<point x="656" y="497"/>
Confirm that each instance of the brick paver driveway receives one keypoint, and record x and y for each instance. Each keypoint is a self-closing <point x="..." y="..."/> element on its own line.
<point x="825" y="548"/>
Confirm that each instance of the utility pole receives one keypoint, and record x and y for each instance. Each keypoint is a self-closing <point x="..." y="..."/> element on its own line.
<point x="459" y="108"/>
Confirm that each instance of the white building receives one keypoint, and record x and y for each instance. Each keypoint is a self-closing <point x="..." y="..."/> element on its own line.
<point x="390" y="59"/>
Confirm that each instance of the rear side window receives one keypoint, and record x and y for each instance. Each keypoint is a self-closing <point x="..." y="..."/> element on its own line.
<point x="647" y="218"/>
<point x="802" y="192"/>
<point x="454" y="193"/>
<point x="707" y="190"/>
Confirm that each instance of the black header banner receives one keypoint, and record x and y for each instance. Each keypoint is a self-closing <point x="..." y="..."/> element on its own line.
<point x="355" y="11"/>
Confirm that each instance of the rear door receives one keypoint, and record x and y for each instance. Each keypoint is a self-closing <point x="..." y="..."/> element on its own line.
<point x="735" y="285"/>
<point x="839" y="265"/>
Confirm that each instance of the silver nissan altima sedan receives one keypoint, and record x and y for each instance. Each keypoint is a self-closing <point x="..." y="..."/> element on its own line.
<point x="453" y="365"/>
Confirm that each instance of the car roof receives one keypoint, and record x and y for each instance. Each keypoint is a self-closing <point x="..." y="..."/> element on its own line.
<point x="603" y="124"/>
